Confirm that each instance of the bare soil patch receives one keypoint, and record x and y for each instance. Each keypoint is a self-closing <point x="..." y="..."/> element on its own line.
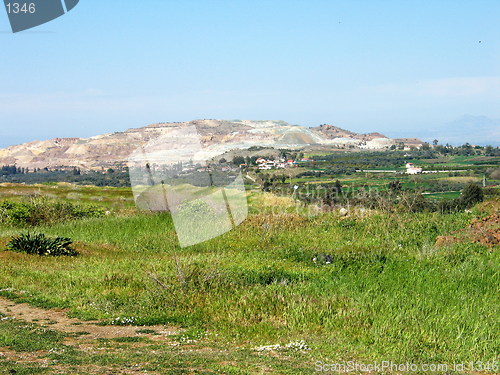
<point x="483" y="230"/>
<point x="58" y="320"/>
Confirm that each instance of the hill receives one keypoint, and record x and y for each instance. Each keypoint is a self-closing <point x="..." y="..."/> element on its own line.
<point x="112" y="150"/>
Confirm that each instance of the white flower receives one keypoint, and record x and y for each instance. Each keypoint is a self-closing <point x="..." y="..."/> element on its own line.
<point x="294" y="345"/>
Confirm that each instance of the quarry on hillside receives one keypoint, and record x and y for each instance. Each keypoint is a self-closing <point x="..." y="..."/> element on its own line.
<point x="217" y="136"/>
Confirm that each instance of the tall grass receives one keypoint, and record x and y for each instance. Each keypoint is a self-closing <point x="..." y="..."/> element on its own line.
<point x="387" y="294"/>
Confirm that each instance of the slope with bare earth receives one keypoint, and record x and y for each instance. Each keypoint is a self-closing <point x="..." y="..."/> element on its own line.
<point x="219" y="136"/>
<point x="484" y="230"/>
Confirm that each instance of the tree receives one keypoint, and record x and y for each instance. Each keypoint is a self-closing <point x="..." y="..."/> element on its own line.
<point x="338" y="187"/>
<point x="253" y="160"/>
<point x="471" y="195"/>
<point x="266" y="186"/>
<point x="223" y="161"/>
<point x="395" y="185"/>
<point x="237" y="160"/>
<point x="435" y="142"/>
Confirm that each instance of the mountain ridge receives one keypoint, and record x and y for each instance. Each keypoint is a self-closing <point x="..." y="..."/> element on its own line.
<point x="220" y="136"/>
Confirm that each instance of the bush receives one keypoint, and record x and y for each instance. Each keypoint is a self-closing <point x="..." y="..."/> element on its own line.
<point x="448" y="206"/>
<point x="39" y="244"/>
<point x="43" y="211"/>
<point x="415" y="202"/>
<point x="491" y="191"/>
<point x="471" y="195"/>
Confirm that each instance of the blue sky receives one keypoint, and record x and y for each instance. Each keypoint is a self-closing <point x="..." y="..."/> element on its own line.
<point x="404" y="68"/>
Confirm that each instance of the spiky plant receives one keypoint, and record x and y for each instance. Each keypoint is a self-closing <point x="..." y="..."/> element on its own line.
<point x="39" y="244"/>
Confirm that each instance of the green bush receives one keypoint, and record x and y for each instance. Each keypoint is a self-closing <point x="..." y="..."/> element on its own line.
<point x="39" y="244"/>
<point x="448" y="206"/>
<point x="471" y="195"/>
<point x="40" y="211"/>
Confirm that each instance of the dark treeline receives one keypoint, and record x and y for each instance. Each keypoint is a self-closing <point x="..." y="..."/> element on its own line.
<point x="464" y="150"/>
<point x="110" y="177"/>
<point x="363" y="160"/>
<point x="8" y="170"/>
<point x="397" y="159"/>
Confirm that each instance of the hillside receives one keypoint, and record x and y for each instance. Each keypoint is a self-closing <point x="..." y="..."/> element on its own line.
<point x="220" y="136"/>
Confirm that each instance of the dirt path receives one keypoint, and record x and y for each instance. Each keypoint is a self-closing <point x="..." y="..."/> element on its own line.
<point x="59" y="321"/>
<point x="83" y="336"/>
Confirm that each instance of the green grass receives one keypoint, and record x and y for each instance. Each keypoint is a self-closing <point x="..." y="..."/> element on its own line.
<point x="44" y="352"/>
<point x="388" y="294"/>
<point x="108" y="197"/>
<point x="22" y="337"/>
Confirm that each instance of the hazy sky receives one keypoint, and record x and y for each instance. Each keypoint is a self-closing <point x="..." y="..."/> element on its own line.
<point x="398" y="67"/>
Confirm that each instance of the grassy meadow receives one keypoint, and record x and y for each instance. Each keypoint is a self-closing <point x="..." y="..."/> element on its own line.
<point x="369" y="286"/>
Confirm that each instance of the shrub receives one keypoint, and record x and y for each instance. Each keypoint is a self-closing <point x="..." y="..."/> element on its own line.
<point x="14" y="213"/>
<point x="448" y="206"/>
<point x="395" y="185"/>
<point x="39" y="211"/>
<point x="414" y="202"/>
<point x="39" y="244"/>
<point x="491" y="191"/>
<point x="472" y="194"/>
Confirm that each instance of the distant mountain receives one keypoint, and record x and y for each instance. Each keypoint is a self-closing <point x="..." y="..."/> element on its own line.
<point x="479" y="130"/>
<point x="218" y="136"/>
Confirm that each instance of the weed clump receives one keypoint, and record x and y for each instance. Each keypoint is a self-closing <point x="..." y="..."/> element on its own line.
<point x="39" y="244"/>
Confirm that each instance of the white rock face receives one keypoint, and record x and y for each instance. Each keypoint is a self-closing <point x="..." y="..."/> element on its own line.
<point x="379" y="143"/>
<point x="217" y="137"/>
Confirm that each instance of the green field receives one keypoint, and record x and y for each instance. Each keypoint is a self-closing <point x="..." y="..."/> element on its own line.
<point x="107" y="197"/>
<point x="353" y="170"/>
<point x="369" y="286"/>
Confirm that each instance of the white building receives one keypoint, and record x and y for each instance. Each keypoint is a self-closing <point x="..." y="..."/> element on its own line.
<point x="272" y="164"/>
<point x="269" y="164"/>
<point x="412" y="169"/>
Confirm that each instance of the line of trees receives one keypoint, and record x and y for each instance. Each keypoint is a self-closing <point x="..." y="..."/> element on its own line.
<point x="109" y="177"/>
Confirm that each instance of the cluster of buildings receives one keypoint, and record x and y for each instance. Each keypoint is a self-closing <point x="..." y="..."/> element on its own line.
<point x="273" y="164"/>
<point x="225" y="168"/>
<point x="278" y="164"/>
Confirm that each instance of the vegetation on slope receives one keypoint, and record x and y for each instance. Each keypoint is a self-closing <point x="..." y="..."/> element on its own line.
<point x="367" y="286"/>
